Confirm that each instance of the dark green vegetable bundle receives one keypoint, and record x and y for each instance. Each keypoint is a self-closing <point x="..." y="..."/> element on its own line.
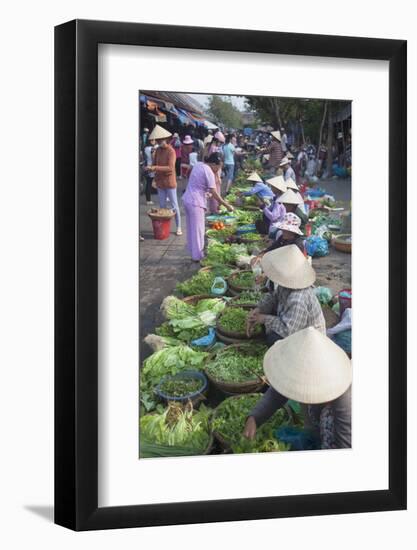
<point x="252" y="237"/>
<point x="181" y="386"/>
<point x="245" y="279"/>
<point x="200" y="283"/>
<point x="233" y="319"/>
<point x="248" y="297"/>
<point x="229" y="422"/>
<point x="237" y="365"/>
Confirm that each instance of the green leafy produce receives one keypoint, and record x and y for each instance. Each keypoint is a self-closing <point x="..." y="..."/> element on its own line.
<point x="229" y="422"/>
<point x="222" y="270"/>
<point x="244" y="217"/>
<point x="238" y="364"/>
<point x="200" y="283"/>
<point x="167" y="361"/>
<point x="188" y="322"/>
<point x="252" y="237"/>
<point x="244" y="279"/>
<point x="174" y="432"/>
<point x="180" y="387"/>
<point x="248" y="297"/>
<point x="233" y="319"/>
<point x="220" y="234"/>
<point x="218" y="253"/>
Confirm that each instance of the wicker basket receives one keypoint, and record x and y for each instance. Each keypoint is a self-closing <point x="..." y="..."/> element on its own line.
<point x="193" y="300"/>
<point x="236" y="336"/>
<point x="233" y="286"/>
<point x="340" y="245"/>
<point x="250" y="386"/>
<point x="331" y="318"/>
<point x="153" y="214"/>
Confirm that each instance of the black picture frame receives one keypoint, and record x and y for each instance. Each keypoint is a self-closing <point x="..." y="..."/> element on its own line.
<point x="76" y="271"/>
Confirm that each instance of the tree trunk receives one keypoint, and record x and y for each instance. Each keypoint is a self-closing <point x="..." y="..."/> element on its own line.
<point x="321" y="133"/>
<point x="275" y="107"/>
<point x="329" y="141"/>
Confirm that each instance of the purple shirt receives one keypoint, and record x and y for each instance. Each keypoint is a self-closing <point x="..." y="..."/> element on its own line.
<point x="275" y="212"/>
<point x="201" y="180"/>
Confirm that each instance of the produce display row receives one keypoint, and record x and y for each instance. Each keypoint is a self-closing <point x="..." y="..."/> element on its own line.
<point x="178" y="416"/>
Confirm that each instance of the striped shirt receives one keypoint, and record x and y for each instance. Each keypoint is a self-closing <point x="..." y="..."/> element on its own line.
<point x="275" y="154"/>
<point x="288" y="311"/>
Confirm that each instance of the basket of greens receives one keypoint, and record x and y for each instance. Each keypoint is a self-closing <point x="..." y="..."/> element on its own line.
<point x="219" y="270"/>
<point x="242" y="280"/>
<point x="175" y="431"/>
<point x="200" y="283"/>
<point x="184" y="386"/>
<point x="231" y="323"/>
<point x="229" y="421"/>
<point x="246" y="298"/>
<point x="237" y="368"/>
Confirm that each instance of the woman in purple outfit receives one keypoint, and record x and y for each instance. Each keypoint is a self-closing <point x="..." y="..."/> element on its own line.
<point x="201" y="183"/>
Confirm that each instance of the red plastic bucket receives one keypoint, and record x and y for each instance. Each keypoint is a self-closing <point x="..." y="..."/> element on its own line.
<point x="161" y="228"/>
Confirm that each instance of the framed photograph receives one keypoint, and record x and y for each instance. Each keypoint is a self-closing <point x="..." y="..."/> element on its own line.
<point x="223" y="351"/>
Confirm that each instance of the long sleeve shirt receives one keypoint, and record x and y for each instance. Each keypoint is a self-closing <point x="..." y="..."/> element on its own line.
<point x="278" y="243"/>
<point x="275" y="154"/>
<point x="164" y="162"/>
<point x="260" y="189"/>
<point x="287" y="311"/>
<point x="340" y="411"/>
<point x="275" y="212"/>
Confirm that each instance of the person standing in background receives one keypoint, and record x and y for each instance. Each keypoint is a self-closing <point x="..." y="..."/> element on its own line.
<point x="229" y="161"/>
<point x="284" y="141"/>
<point x="215" y="147"/>
<point x="164" y="169"/>
<point x="186" y="149"/>
<point x="145" y="137"/>
<point x="176" y="144"/>
<point x="289" y="173"/>
<point x="149" y="176"/>
<point x="274" y="150"/>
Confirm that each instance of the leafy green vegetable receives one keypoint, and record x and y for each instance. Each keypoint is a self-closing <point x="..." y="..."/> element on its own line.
<point x="222" y="270"/>
<point x="252" y="237"/>
<point x="218" y="253"/>
<point x="180" y="387"/>
<point x="248" y="297"/>
<point x="244" y="217"/>
<point x="245" y="279"/>
<point x="233" y="319"/>
<point x="238" y="364"/>
<point x="176" y="427"/>
<point x="168" y="361"/>
<point x="200" y="283"/>
<point x="220" y="234"/>
<point x="229" y="422"/>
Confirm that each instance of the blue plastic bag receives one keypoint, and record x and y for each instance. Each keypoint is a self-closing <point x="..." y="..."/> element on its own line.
<point x="207" y="340"/>
<point x="316" y="246"/>
<point x="219" y="286"/>
<point x="298" y="438"/>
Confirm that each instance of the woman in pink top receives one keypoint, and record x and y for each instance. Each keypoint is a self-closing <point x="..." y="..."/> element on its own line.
<point x="201" y="183"/>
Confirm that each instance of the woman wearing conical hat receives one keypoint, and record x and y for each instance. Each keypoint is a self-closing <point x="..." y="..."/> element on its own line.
<point x="164" y="169"/>
<point x="309" y="368"/>
<point x="293" y="305"/>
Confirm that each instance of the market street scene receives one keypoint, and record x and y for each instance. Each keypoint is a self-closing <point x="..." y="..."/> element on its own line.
<point x="245" y="290"/>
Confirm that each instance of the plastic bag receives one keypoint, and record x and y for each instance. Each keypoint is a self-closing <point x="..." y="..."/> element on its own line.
<point x="219" y="286"/>
<point x="344" y="340"/>
<point x="207" y="340"/>
<point x="316" y="246"/>
<point x="324" y="294"/>
<point x="299" y="439"/>
<point x="345" y="323"/>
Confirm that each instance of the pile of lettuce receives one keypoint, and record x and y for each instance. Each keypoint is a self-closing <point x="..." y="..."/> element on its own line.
<point x="218" y="253"/>
<point x="168" y="361"/>
<point x="188" y="322"/>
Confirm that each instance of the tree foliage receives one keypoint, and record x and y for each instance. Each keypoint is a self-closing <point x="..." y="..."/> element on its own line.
<point x="224" y="112"/>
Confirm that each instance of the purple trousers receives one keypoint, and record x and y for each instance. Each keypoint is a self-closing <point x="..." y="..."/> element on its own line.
<point x="195" y="219"/>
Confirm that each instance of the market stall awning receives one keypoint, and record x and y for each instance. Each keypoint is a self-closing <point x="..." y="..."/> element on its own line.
<point x="209" y="125"/>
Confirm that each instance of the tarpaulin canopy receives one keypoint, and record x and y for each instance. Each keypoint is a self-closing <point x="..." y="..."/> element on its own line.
<point x="210" y="126"/>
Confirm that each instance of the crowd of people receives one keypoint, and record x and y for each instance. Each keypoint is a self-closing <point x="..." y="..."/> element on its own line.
<point x="312" y="368"/>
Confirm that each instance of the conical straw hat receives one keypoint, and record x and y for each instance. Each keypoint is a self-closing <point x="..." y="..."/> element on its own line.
<point x="308" y="367"/>
<point x="284" y="161"/>
<point x="289" y="197"/>
<point x="288" y="267"/>
<point x="276" y="135"/>
<point x="254" y="177"/>
<point x="290" y="183"/>
<point x="278" y="182"/>
<point x="159" y="133"/>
